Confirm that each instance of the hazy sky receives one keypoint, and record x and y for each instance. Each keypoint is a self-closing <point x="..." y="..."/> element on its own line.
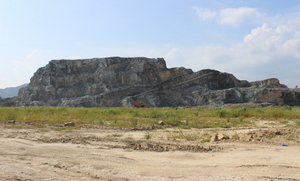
<point x="251" y="39"/>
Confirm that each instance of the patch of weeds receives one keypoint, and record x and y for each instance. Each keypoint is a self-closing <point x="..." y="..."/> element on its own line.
<point x="238" y="112"/>
<point x="156" y="114"/>
<point x="191" y="137"/>
<point x="173" y="122"/>
<point x="100" y="122"/>
<point x="287" y="108"/>
<point x="291" y="137"/>
<point x="59" y="129"/>
<point x="133" y="122"/>
<point x="134" y="113"/>
<point x="129" y="138"/>
<point x="196" y="114"/>
<point x="220" y="112"/>
<point x="109" y="112"/>
<point x="44" y="130"/>
<point x="10" y="117"/>
<point x="70" y="129"/>
<point x="14" y="127"/>
<point x="264" y="127"/>
<point x="297" y="123"/>
<point x="226" y="126"/>
<point x="205" y="137"/>
<point x="170" y="115"/>
<point x="148" y="135"/>
<point x="205" y="140"/>
<point x="270" y="136"/>
<point x="181" y="135"/>
<point x="83" y="111"/>
<point x="283" y="121"/>
<point x="51" y="110"/>
<point x="115" y="135"/>
<point x="114" y="123"/>
<point x="40" y="126"/>
<point x="259" y="110"/>
<point x="235" y="133"/>
<point x="61" y="109"/>
<point x="159" y="127"/>
<point x="206" y="134"/>
<point x="240" y="121"/>
<point x="277" y="115"/>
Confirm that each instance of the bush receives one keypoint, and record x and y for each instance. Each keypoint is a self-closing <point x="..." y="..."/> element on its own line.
<point x="220" y="112"/>
<point x="156" y="114"/>
<point x="239" y="111"/>
<point x="109" y="112"/>
<point x="10" y="117"/>
<point x="174" y="122"/>
<point x="134" y="122"/>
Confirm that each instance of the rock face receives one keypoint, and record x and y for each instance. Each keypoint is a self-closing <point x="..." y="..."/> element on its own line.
<point x="120" y="82"/>
<point x="11" y="91"/>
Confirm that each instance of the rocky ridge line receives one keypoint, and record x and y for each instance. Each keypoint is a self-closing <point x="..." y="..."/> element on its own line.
<point x="120" y="82"/>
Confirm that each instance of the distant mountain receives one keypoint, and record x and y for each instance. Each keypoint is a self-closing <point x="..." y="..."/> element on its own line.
<point x="11" y="91"/>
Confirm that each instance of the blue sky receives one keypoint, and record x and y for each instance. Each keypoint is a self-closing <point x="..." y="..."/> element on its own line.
<point x="253" y="39"/>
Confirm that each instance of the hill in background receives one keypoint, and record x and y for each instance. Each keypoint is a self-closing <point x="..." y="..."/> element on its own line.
<point x="10" y="91"/>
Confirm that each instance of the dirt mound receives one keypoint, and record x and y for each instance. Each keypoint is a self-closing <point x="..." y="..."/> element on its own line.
<point x="161" y="147"/>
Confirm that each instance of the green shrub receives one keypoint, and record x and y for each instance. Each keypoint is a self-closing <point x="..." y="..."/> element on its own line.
<point x="134" y="122"/>
<point x="287" y="108"/>
<point x="239" y="111"/>
<point x="173" y="122"/>
<point x="100" y="122"/>
<point x="156" y="114"/>
<point x="148" y="135"/>
<point x="259" y="110"/>
<point x="11" y="116"/>
<point x="109" y="112"/>
<point x="221" y="112"/>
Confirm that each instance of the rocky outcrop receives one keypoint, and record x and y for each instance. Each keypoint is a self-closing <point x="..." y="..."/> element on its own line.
<point x="120" y="82"/>
<point x="8" y="102"/>
<point x="11" y="91"/>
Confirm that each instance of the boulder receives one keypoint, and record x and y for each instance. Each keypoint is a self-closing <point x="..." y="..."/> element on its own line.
<point x="69" y="124"/>
<point x="11" y="121"/>
<point x="214" y="138"/>
<point x="219" y="137"/>
<point x="222" y="137"/>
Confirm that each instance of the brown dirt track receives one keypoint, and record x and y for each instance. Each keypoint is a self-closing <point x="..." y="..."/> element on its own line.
<point x="98" y="153"/>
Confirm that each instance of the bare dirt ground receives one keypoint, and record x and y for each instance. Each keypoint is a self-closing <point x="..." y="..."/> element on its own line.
<point x="98" y="153"/>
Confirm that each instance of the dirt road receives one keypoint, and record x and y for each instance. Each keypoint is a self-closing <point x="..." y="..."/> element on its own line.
<point x="104" y="154"/>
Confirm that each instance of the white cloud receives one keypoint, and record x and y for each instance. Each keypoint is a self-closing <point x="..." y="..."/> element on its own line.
<point x="205" y="13"/>
<point x="6" y="82"/>
<point x="264" y="53"/>
<point x="24" y="70"/>
<point x="153" y="53"/>
<point x="236" y="16"/>
<point x="230" y="16"/>
<point x="172" y="53"/>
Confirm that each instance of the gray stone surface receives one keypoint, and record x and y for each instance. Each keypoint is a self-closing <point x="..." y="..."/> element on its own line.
<point x="11" y="91"/>
<point x="120" y="82"/>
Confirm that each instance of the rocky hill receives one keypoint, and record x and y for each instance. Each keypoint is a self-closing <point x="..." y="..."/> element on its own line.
<point x="10" y="91"/>
<point x="120" y="82"/>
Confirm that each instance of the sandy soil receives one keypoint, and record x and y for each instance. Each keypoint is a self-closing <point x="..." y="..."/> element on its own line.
<point x="126" y="155"/>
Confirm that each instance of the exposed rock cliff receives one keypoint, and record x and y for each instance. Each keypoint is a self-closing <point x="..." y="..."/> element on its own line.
<point x="117" y="82"/>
